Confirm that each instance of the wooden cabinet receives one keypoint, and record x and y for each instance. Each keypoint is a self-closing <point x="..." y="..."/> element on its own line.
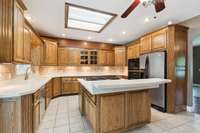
<point x="70" y="86"/>
<point x="145" y="44"/>
<point x="159" y="40"/>
<point x="48" y="93"/>
<point x="50" y="52"/>
<point x="56" y="87"/>
<point x="36" y="111"/>
<point x="133" y="51"/>
<point x="68" y="56"/>
<point x="27" y="44"/>
<point x="120" y="56"/>
<point x="106" y="58"/>
<point x="18" y="33"/>
<point x="36" y="50"/>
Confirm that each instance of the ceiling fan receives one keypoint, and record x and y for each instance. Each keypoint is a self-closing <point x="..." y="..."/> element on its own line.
<point x="159" y="6"/>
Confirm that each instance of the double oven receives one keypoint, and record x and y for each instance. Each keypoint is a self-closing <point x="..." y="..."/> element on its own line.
<point x="134" y="71"/>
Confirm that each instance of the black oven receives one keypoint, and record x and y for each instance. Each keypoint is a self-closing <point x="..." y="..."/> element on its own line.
<point x="134" y="64"/>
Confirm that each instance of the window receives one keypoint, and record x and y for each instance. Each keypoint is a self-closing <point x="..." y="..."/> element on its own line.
<point x="83" y="18"/>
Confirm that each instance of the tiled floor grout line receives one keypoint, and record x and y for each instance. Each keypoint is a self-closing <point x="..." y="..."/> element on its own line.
<point x="56" y="115"/>
<point x="68" y="111"/>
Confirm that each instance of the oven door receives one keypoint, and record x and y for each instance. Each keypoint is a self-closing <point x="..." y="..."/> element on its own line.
<point x="133" y="64"/>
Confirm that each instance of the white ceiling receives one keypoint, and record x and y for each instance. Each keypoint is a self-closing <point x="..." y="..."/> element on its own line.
<point x="47" y="16"/>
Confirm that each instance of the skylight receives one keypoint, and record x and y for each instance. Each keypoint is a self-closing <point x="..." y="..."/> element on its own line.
<point x="86" y="19"/>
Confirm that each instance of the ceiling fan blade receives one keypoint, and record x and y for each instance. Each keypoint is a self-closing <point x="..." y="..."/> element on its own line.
<point x="159" y="5"/>
<point x="131" y="8"/>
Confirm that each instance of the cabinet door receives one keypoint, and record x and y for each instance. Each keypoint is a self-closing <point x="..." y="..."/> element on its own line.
<point x="63" y="56"/>
<point x="48" y="94"/>
<point x="120" y="56"/>
<point x="102" y="57"/>
<point x="159" y="40"/>
<point x="36" y="117"/>
<point x="110" y="58"/>
<point x="27" y="45"/>
<point x="18" y="34"/>
<point x="74" y="57"/>
<point x="56" y="87"/>
<point x="133" y="51"/>
<point x="145" y="44"/>
<point x="50" y="53"/>
<point x="70" y="86"/>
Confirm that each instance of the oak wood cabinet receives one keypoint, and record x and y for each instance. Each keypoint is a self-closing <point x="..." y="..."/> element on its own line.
<point x="56" y="87"/>
<point x="68" y="56"/>
<point x="37" y="50"/>
<point x="133" y="51"/>
<point x="36" y="110"/>
<point x="70" y="86"/>
<point x="106" y="58"/>
<point x="145" y="44"/>
<point x="48" y="93"/>
<point x="27" y="44"/>
<point x="159" y="40"/>
<point x="50" y="52"/>
<point x="120" y="56"/>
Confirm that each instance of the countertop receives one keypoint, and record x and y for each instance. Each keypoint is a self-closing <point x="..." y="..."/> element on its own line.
<point x="18" y="87"/>
<point x="122" y="85"/>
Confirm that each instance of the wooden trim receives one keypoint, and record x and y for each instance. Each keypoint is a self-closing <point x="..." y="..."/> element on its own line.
<point x="91" y="9"/>
<point x="22" y="5"/>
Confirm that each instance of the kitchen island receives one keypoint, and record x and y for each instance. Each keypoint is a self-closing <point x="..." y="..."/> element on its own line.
<point x="117" y="105"/>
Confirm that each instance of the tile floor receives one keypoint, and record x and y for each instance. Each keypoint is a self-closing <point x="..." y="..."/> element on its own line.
<point x="63" y="116"/>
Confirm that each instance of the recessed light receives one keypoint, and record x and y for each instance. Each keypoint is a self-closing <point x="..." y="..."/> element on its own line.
<point x="123" y="32"/>
<point x="111" y="40"/>
<point x="146" y="19"/>
<point x="89" y="38"/>
<point x="169" y="22"/>
<point x="63" y="35"/>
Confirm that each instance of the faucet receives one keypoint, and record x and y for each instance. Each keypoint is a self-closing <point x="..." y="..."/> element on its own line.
<point x="26" y="74"/>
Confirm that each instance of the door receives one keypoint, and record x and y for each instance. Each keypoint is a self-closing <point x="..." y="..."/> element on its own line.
<point x="110" y="58"/>
<point x="159" y="40"/>
<point x="18" y="34"/>
<point x="56" y="87"/>
<point x="145" y="44"/>
<point x="120" y="56"/>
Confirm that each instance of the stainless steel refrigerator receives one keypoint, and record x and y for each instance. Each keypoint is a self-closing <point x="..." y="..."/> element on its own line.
<point x="155" y="66"/>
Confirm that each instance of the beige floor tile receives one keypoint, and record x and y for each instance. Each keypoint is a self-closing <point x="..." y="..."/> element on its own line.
<point x="61" y="129"/>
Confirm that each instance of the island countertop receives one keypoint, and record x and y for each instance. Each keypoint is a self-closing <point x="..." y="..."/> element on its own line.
<point x="122" y="85"/>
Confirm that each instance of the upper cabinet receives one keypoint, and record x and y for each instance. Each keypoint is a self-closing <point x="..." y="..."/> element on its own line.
<point x="133" y="51"/>
<point x="145" y="44"/>
<point x="159" y="40"/>
<point x="15" y="35"/>
<point x="37" y="50"/>
<point x="106" y="58"/>
<point x="18" y="33"/>
<point x="120" y="56"/>
<point x="27" y="44"/>
<point x="50" y="52"/>
<point x="68" y="56"/>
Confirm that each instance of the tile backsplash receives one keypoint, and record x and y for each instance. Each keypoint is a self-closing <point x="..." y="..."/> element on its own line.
<point x="7" y="71"/>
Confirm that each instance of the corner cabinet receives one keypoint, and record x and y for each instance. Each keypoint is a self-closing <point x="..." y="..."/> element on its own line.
<point x="50" y="52"/>
<point x="145" y="44"/>
<point x="159" y="40"/>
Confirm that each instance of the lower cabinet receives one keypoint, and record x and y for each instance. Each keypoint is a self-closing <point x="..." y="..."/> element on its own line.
<point x="48" y="93"/>
<point x="56" y="87"/>
<point x="70" y="86"/>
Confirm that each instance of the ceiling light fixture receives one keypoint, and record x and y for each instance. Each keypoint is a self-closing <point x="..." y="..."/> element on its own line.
<point x="89" y="38"/>
<point x="124" y="33"/>
<point x="111" y="40"/>
<point x="63" y="35"/>
<point x="28" y="17"/>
